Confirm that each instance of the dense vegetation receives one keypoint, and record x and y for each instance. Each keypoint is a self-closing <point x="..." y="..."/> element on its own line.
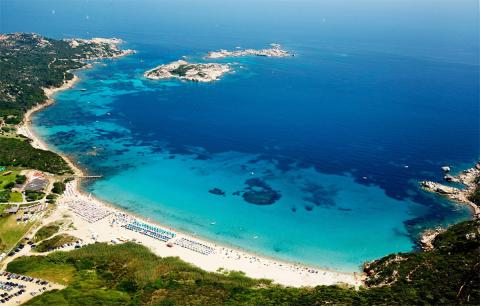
<point x="29" y="62"/>
<point x="475" y="196"/>
<point x="31" y="195"/>
<point x="449" y="274"/>
<point x="182" y="70"/>
<point x="129" y="274"/>
<point x="18" y="153"/>
<point x="4" y="196"/>
<point x="58" y="187"/>
<point x="20" y="179"/>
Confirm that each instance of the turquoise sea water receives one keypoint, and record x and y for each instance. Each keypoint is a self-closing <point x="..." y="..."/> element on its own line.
<point x="379" y="97"/>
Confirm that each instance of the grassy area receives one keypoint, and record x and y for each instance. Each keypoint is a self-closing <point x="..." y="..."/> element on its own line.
<point x="129" y="274"/>
<point x="54" y="242"/>
<point x="7" y="179"/>
<point x="16" y="197"/>
<point x="58" y="272"/>
<point x="11" y="231"/>
<point x="47" y="231"/>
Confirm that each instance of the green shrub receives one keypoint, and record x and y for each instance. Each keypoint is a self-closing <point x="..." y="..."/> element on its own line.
<point x="58" y="187"/>
<point x="34" y="195"/>
<point x="4" y="196"/>
<point x="9" y="185"/>
<point x="21" y="179"/>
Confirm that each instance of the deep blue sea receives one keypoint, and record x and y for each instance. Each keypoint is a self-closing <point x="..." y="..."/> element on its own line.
<point x="380" y="95"/>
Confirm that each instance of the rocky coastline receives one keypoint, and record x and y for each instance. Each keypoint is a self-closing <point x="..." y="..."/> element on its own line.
<point x="470" y="179"/>
<point x="99" y="48"/>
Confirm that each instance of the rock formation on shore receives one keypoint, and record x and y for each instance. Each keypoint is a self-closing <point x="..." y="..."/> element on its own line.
<point x="469" y="178"/>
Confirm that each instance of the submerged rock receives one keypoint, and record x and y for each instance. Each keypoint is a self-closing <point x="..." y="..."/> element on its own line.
<point x="320" y="195"/>
<point x="266" y="197"/>
<point x="308" y="207"/>
<point x="450" y="178"/>
<point x="217" y="191"/>
<point x="259" y="192"/>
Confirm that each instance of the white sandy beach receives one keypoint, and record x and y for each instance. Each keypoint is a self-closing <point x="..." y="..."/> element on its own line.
<point x="222" y="257"/>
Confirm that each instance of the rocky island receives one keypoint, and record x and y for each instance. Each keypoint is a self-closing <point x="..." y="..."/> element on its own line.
<point x="274" y="51"/>
<point x="204" y="72"/>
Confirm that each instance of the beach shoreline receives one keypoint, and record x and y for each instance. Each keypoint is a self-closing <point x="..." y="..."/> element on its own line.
<point x="26" y="130"/>
<point x="226" y="258"/>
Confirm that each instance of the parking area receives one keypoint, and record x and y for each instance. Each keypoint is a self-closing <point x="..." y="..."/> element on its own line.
<point x="16" y="289"/>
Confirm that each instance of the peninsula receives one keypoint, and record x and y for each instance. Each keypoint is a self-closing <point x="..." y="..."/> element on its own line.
<point x="99" y="48"/>
<point x="204" y="72"/>
<point x="274" y="51"/>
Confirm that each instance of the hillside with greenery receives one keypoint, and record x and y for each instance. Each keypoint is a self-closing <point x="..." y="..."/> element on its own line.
<point x="475" y="196"/>
<point x="129" y="274"/>
<point x="18" y="153"/>
<point x="30" y="62"/>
